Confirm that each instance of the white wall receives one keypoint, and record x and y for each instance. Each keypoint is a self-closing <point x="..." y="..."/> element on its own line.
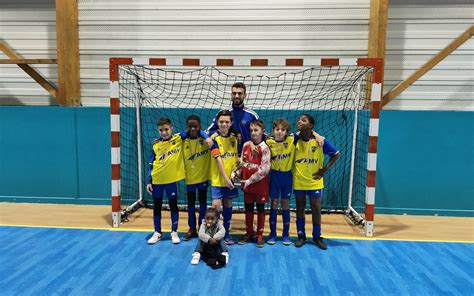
<point x="247" y="28"/>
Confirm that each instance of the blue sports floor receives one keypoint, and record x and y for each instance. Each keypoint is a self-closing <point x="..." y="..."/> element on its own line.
<point x="52" y="261"/>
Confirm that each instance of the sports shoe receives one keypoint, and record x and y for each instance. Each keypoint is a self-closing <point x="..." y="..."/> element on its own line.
<point x="300" y="241"/>
<point x="286" y="240"/>
<point x="190" y="234"/>
<point x="154" y="238"/>
<point x="196" y="257"/>
<point x="175" y="238"/>
<point x="271" y="239"/>
<point x="318" y="241"/>
<point x="245" y="239"/>
<point x="260" y="241"/>
<point x="226" y="254"/>
<point x="228" y="240"/>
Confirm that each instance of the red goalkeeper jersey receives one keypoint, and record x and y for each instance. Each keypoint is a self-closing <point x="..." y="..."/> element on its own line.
<point x="255" y="169"/>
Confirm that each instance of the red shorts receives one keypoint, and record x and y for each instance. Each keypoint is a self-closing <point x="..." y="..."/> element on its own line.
<point x="251" y="197"/>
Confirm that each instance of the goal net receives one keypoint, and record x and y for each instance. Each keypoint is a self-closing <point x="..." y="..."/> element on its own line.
<point x="335" y="95"/>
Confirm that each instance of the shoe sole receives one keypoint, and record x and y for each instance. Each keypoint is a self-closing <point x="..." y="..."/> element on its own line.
<point x="287" y="243"/>
<point x="271" y="243"/>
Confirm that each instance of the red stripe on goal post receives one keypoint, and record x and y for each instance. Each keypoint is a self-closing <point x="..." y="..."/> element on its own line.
<point x="191" y="62"/>
<point x="225" y="62"/>
<point x="329" y="62"/>
<point x="259" y="62"/>
<point x="294" y="62"/>
<point x="157" y="62"/>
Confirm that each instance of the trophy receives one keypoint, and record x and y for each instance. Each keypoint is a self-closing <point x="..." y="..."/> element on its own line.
<point x="236" y="175"/>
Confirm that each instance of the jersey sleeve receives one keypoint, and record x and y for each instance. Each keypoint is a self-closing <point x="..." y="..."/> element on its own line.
<point x="329" y="149"/>
<point x="264" y="167"/>
<point x="150" y="165"/>
<point x="215" y="148"/>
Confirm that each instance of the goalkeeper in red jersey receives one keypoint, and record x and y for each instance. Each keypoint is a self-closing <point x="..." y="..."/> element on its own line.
<point x="253" y="173"/>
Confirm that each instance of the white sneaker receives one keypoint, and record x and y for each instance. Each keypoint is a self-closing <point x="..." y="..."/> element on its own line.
<point x="196" y="258"/>
<point x="175" y="238"/>
<point x="154" y="238"/>
<point x="226" y="254"/>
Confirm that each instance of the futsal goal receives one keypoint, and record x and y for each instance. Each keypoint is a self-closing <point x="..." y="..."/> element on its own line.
<point x="343" y="95"/>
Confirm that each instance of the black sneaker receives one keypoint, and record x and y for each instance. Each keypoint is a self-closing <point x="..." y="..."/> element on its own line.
<point x="189" y="235"/>
<point x="246" y="238"/>
<point x="300" y="241"/>
<point x="318" y="241"/>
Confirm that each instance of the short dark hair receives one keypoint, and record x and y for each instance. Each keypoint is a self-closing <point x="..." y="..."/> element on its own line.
<point x="240" y="85"/>
<point x="310" y="118"/>
<point x="193" y="117"/>
<point x="212" y="210"/>
<point x="164" y="120"/>
<point x="224" y="113"/>
<point x="259" y="123"/>
<point x="283" y="122"/>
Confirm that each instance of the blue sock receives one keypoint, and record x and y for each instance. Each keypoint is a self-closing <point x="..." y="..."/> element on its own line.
<point x="202" y="212"/>
<point x="316" y="230"/>
<point x="227" y="213"/>
<point x="286" y="222"/>
<point x="192" y="216"/>
<point x="157" y="223"/>
<point x="273" y="221"/>
<point x="174" y="221"/>
<point x="300" y="226"/>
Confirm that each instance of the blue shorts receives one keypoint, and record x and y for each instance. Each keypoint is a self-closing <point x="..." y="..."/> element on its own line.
<point x="220" y="192"/>
<point x="316" y="193"/>
<point x="198" y="186"/>
<point x="171" y="190"/>
<point x="281" y="183"/>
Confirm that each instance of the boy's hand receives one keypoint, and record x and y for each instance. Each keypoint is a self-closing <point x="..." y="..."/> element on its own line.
<point x="209" y="142"/>
<point x="319" y="138"/>
<point x="244" y="184"/>
<point x="149" y="188"/>
<point x="212" y="241"/>
<point x="229" y="183"/>
<point x="156" y="141"/>
<point x="319" y="174"/>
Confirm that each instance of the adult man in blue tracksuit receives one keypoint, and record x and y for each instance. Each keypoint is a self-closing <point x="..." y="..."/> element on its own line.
<point x="242" y="117"/>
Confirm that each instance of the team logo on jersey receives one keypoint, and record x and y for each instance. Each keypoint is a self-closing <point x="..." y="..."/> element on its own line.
<point x="201" y="142"/>
<point x="232" y="143"/>
<point x="173" y="142"/>
<point x="285" y="145"/>
<point x="306" y="160"/>
<point x="244" y="122"/>
<point x="313" y="148"/>
<point x="187" y="147"/>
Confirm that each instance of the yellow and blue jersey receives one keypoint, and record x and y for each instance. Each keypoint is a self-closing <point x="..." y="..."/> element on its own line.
<point x="196" y="160"/>
<point x="227" y="149"/>
<point x="309" y="159"/>
<point x="166" y="161"/>
<point x="283" y="153"/>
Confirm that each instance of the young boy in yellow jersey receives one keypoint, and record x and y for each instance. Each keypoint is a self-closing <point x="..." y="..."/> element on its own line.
<point x="166" y="169"/>
<point x="197" y="156"/>
<point x="225" y="151"/>
<point x="282" y="147"/>
<point x="308" y="175"/>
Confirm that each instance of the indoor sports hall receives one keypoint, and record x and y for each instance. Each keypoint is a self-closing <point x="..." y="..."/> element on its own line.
<point x="236" y="148"/>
